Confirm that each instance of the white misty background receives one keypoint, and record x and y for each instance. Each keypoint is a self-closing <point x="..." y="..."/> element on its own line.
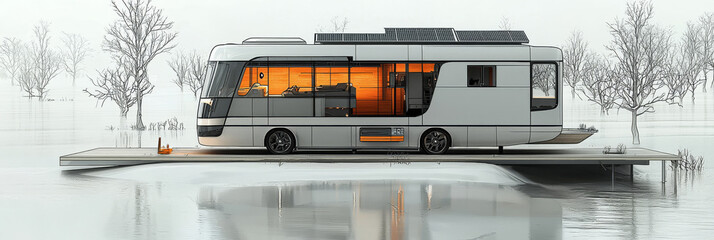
<point x="632" y="56"/>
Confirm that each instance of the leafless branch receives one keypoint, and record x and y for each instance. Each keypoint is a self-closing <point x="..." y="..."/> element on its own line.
<point x="197" y="73"/>
<point x="642" y="50"/>
<point x="26" y="73"/>
<point x="114" y="84"/>
<point x="685" y="66"/>
<point x="336" y="25"/>
<point x="46" y="62"/>
<point x="575" y="56"/>
<point x="706" y="50"/>
<point x="505" y="24"/>
<point x="74" y="52"/>
<point x="599" y="82"/>
<point x="180" y="65"/>
<point x="11" y="57"/>
<point x="140" y="34"/>
<point x="544" y="77"/>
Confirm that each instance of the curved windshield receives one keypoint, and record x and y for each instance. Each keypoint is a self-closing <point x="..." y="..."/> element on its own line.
<point x="222" y="79"/>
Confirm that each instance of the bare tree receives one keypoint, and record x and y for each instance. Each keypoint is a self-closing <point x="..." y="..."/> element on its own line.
<point x="11" y="57"/>
<point x="197" y="73"/>
<point x="642" y="50"/>
<point x="505" y="24"/>
<point x="575" y="56"/>
<point x="686" y="64"/>
<point x="74" y="52"/>
<point x="116" y="85"/>
<point x="26" y="73"/>
<point x="676" y="82"/>
<point x="140" y="34"/>
<point x="336" y="25"/>
<point x="46" y="61"/>
<point x="544" y="77"/>
<point x="599" y="82"/>
<point x="180" y="64"/>
<point x="706" y="37"/>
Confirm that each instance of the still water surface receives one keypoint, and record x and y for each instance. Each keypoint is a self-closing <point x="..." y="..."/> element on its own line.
<point x="39" y="200"/>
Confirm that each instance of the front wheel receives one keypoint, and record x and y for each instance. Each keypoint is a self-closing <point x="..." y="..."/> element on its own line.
<point x="435" y="141"/>
<point x="280" y="142"/>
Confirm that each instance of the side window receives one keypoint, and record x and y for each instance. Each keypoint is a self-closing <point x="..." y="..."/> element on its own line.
<point x="290" y="89"/>
<point x="544" y="87"/>
<point x="481" y="76"/>
<point x="333" y="91"/>
<point x="254" y="82"/>
<point x="379" y="88"/>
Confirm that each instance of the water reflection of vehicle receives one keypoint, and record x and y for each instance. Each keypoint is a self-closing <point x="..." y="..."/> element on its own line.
<point x="409" y="88"/>
<point x="388" y="209"/>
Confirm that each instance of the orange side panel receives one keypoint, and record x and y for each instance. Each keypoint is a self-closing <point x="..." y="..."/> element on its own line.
<point x="381" y="138"/>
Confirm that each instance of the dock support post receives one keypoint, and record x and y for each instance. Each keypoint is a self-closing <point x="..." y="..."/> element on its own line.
<point x="632" y="172"/>
<point x="664" y="173"/>
<point x="612" y="171"/>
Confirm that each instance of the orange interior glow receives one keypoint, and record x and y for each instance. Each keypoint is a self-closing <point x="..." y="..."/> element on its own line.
<point x="371" y="83"/>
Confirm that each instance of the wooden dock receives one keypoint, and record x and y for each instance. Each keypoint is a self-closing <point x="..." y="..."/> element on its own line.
<point x="515" y="156"/>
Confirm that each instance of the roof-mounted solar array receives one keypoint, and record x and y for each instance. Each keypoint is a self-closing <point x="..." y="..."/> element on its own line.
<point x="424" y="36"/>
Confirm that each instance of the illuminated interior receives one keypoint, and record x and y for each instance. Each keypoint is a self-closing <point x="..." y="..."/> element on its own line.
<point x="379" y="89"/>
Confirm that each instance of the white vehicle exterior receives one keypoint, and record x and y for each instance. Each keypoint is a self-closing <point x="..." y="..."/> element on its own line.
<point x="502" y="112"/>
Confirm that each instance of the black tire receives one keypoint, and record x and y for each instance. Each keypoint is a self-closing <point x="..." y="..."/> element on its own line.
<point x="280" y="141"/>
<point x="435" y="141"/>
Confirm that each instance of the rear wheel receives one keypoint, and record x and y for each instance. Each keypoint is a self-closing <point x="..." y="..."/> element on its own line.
<point x="280" y="141"/>
<point x="435" y="141"/>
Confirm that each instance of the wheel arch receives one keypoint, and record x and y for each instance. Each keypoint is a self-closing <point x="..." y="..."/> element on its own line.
<point x="421" y="136"/>
<point x="265" y="138"/>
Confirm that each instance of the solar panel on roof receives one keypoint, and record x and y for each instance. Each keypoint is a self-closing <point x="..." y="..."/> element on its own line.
<point x="497" y="36"/>
<point x="519" y="36"/>
<point x="445" y="34"/>
<point x="328" y="37"/>
<point x="492" y="36"/>
<point x="355" y="37"/>
<point x="425" y="35"/>
<point x="376" y="37"/>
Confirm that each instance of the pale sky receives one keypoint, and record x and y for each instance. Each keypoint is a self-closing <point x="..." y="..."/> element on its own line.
<point x="203" y="24"/>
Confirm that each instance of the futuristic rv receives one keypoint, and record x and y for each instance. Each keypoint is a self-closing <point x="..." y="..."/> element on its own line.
<point x="408" y="88"/>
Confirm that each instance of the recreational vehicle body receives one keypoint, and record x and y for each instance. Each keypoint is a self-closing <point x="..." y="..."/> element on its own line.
<point x="408" y="88"/>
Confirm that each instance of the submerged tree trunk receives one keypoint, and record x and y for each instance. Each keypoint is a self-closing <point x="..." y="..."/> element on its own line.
<point x="635" y="131"/>
<point x="123" y="112"/>
<point x="572" y="92"/>
<point x="139" y="123"/>
<point x="704" y="85"/>
<point x="705" y="80"/>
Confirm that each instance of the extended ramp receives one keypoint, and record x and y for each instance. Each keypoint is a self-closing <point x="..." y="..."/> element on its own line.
<point x="135" y="156"/>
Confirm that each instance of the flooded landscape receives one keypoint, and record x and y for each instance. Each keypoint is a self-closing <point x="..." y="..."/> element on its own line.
<point x="388" y="200"/>
<point x="129" y="74"/>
